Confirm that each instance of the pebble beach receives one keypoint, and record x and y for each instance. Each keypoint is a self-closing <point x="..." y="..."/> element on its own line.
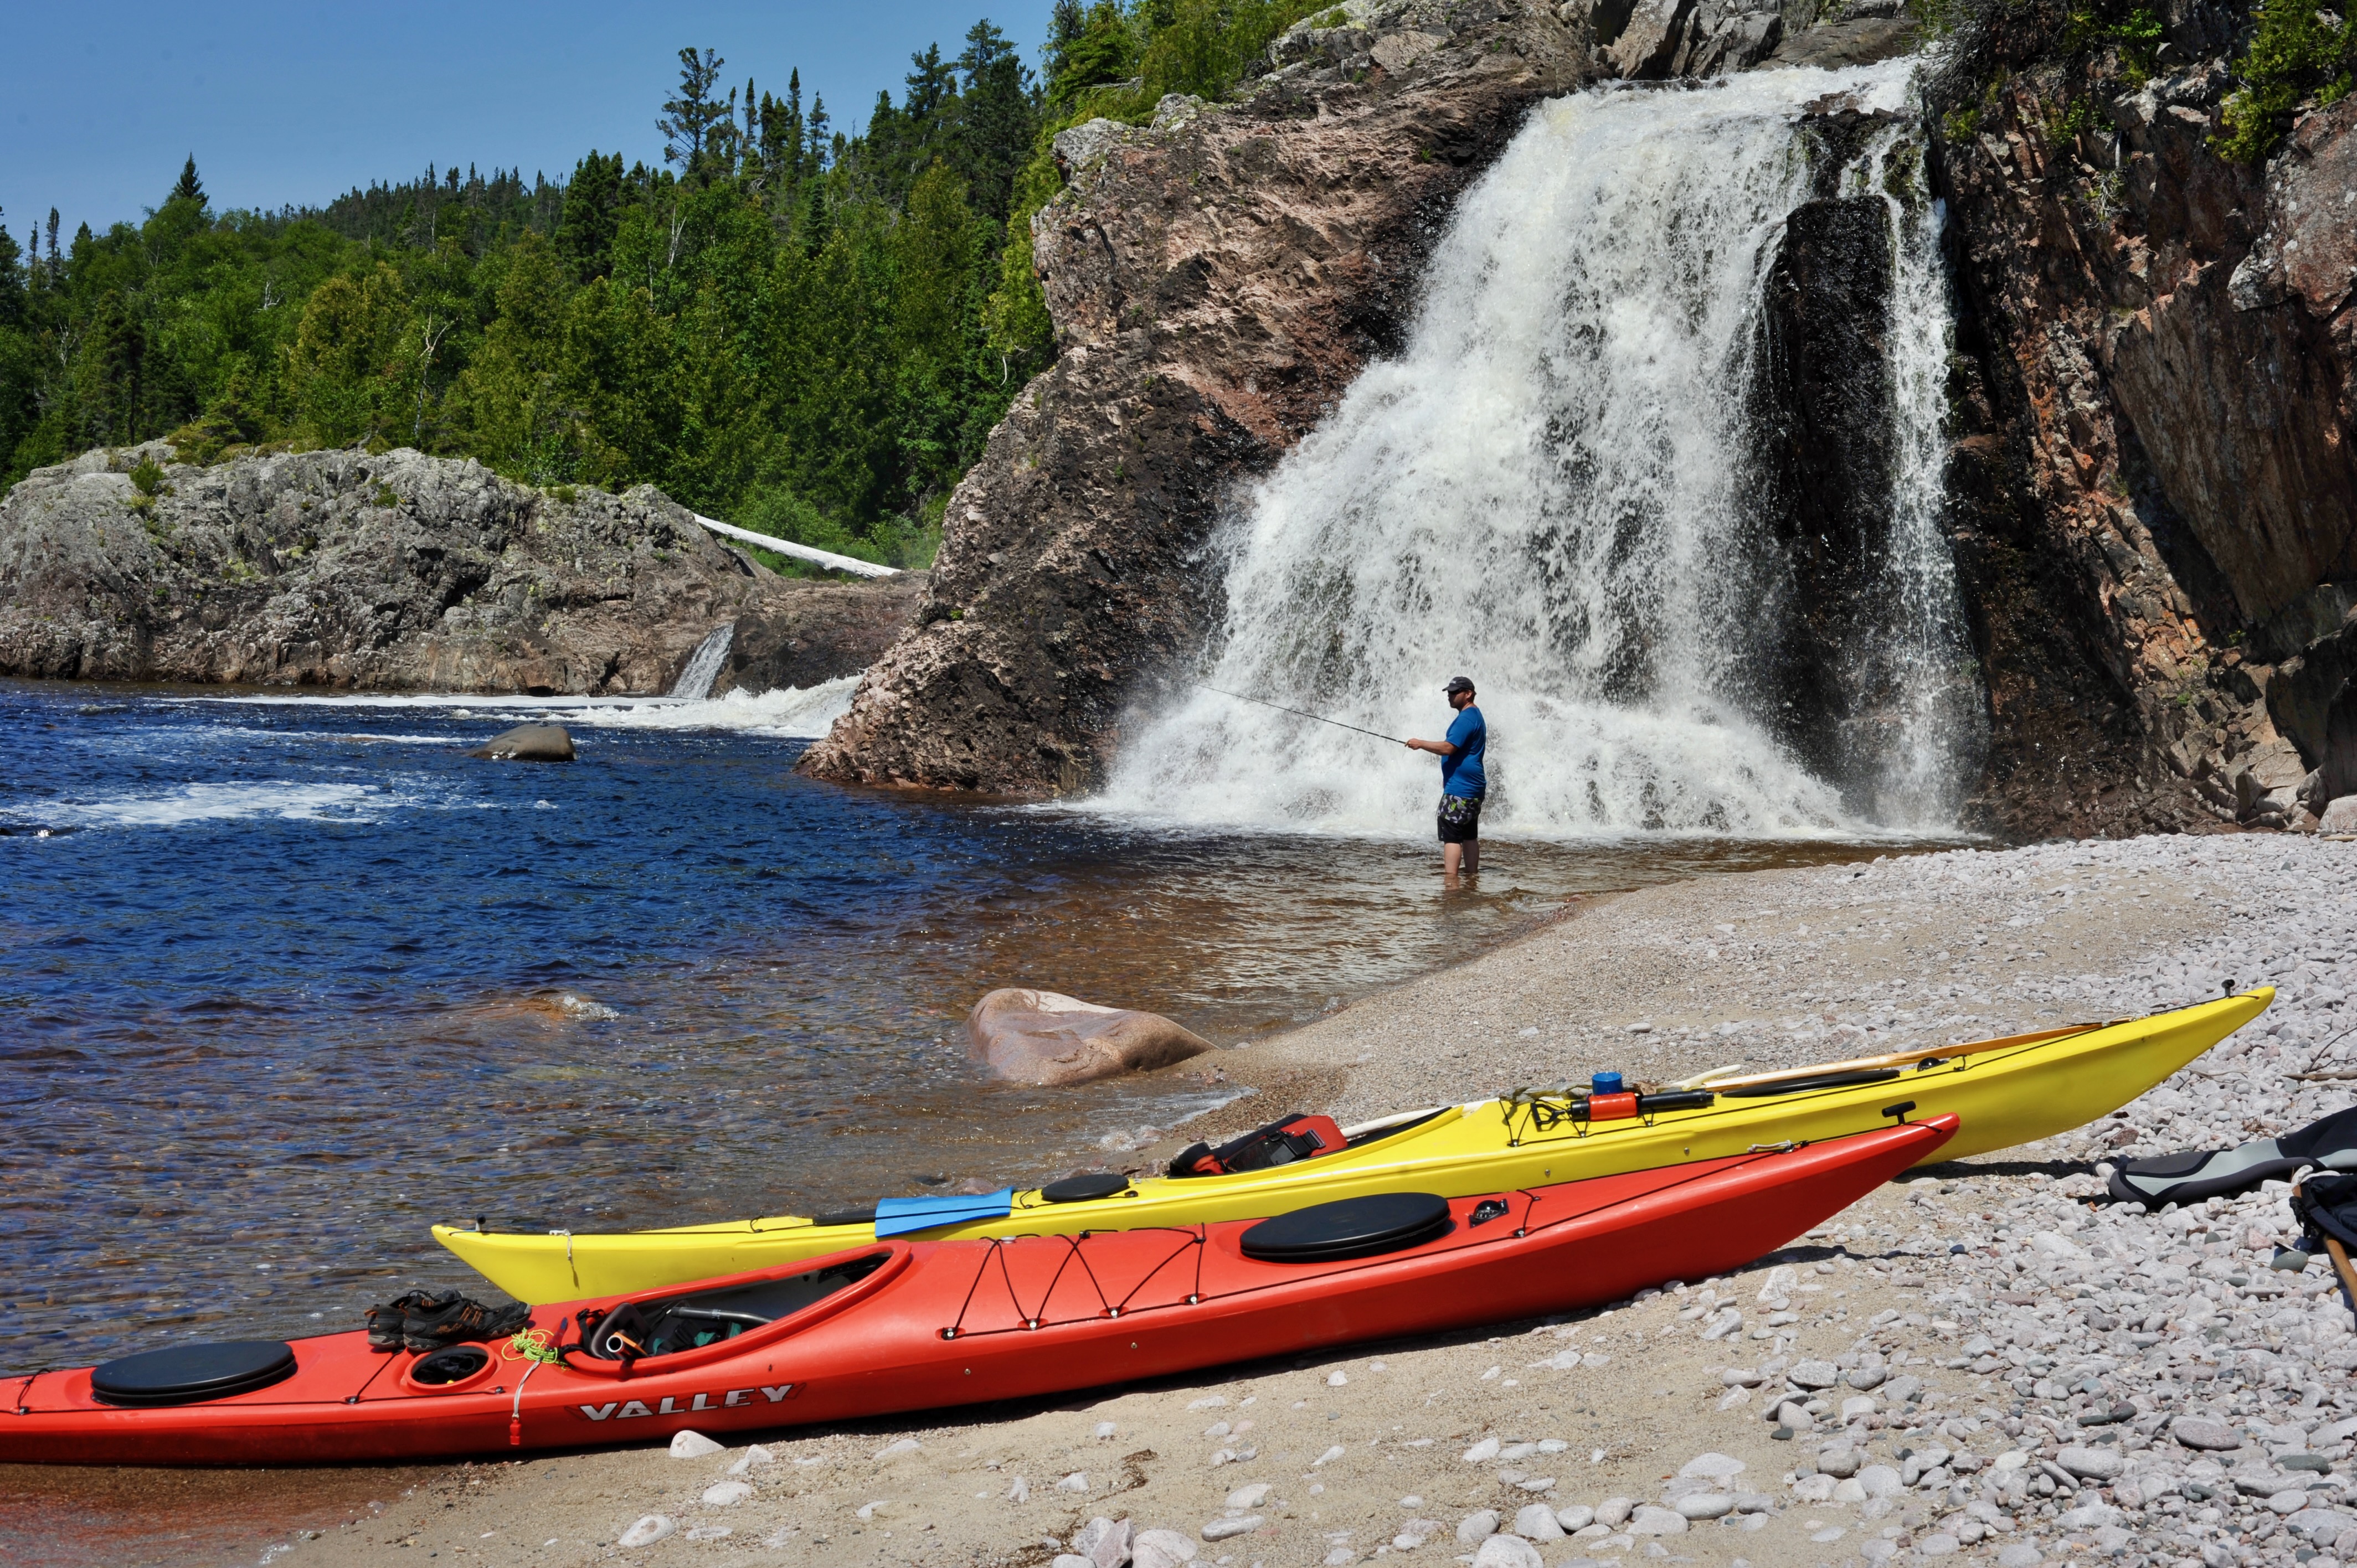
<point x="1987" y="1361"/>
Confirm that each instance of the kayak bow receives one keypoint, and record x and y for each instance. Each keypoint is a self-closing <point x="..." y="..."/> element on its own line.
<point x="2007" y="1092"/>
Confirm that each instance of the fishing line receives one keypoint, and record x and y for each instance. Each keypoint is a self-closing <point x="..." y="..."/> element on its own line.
<point x="1320" y="718"/>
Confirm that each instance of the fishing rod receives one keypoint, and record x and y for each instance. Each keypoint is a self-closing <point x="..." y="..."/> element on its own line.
<point x="1320" y="718"/>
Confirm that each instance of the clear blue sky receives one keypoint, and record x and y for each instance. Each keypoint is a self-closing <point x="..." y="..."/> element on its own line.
<point x="286" y="102"/>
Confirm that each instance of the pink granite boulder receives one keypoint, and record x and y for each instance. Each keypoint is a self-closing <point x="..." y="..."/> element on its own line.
<point x="1043" y="1037"/>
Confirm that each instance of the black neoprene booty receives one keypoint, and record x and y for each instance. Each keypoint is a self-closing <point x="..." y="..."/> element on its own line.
<point x="2330" y="1143"/>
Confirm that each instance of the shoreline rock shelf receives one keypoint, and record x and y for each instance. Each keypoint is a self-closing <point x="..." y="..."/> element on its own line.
<point x="399" y="572"/>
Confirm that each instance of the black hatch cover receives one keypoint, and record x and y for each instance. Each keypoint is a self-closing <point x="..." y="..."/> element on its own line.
<point x="191" y="1374"/>
<point x="1348" y="1228"/>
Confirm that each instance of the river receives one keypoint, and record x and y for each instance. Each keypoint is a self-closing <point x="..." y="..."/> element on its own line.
<point x="286" y="981"/>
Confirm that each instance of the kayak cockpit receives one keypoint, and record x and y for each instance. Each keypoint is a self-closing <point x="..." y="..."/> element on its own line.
<point x="671" y="1326"/>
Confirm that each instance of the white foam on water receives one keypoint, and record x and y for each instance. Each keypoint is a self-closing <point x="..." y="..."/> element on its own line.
<point x="285" y="801"/>
<point x="1547" y="490"/>
<point x="788" y="712"/>
<point x="703" y="665"/>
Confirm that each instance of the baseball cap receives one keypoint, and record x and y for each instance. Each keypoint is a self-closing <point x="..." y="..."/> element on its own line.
<point x="1456" y="684"/>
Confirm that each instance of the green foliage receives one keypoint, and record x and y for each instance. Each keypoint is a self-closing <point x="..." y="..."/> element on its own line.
<point x="2300" y="49"/>
<point x="786" y="321"/>
<point x="148" y="479"/>
<point x="2130" y="29"/>
<point x="807" y="330"/>
<point x="2076" y="119"/>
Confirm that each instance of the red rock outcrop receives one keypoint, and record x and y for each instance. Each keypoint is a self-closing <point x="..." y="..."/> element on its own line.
<point x="2158" y="501"/>
<point x="1216" y="280"/>
<point x="1045" y="1037"/>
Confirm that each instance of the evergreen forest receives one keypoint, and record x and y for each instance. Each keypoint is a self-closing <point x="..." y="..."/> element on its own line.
<point x="795" y="324"/>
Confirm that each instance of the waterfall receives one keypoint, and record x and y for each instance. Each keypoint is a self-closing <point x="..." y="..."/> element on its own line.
<point x="695" y="683"/>
<point x="1556" y="490"/>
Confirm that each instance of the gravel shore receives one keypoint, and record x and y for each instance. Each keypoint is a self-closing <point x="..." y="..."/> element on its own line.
<point x="1988" y="1362"/>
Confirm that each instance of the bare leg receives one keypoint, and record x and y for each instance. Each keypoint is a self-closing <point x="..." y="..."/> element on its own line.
<point x="1450" y="855"/>
<point x="1472" y="848"/>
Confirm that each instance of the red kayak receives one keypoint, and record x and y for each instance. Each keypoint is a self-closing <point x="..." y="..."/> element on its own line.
<point x="900" y="1326"/>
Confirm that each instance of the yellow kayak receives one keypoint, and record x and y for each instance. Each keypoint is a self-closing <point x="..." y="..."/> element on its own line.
<point x="2007" y="1091"/>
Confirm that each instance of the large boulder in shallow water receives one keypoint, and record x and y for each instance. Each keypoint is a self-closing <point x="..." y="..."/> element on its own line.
<point x="1044" y="1037"/>
<point x="529" y="743"/>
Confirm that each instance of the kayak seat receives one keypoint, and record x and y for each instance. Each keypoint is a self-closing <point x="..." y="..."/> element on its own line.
<point x="191" y="1374"/>
<point x="1348" y="1228"/>
<point x="455" y="1365"/>
<point x="1083" y="1188"/>
<point x="1802" y="1085"/>
<point x="1296" y="1137"/>
<point x="639" y="1330"/>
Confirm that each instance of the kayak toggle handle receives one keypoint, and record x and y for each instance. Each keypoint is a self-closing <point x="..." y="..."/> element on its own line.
<point x="1899" y="1111"/>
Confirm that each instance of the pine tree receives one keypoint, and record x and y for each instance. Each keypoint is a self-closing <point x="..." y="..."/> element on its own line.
<point x="998" y="118"/>
<point x="689" y="120"/>
<point x="12" y="280"/>
<point x="1066" y="23"/>
<point x="188" y="188"/>
<point x="593" y="200"/>
<point x="815" y="159"/>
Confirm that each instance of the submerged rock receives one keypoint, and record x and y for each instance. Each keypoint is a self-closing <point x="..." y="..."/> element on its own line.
<point x="1045" y="1037"/>
<point x="529" y="743"/>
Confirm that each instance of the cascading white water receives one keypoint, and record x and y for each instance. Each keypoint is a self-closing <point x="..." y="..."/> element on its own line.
<point x="1944" y="721"/>
<point x="1547" y="490"/>
<point x="695" y="683"/>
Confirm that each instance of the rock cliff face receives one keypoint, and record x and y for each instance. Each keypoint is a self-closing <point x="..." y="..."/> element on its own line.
<point x="1216" y="280"/>
<point x="397" y="572"/>
<point x="2152" y="503"/>
<point x="2156" y="498"/>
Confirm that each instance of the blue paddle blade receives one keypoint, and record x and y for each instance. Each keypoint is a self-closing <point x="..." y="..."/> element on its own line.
<point x="898" y="1216"/>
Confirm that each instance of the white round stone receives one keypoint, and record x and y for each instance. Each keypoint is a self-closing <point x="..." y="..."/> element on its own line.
<point x="1507" y="1552"/>
<point x="1536" y="1521"/>
<point x="654" y="1527"/>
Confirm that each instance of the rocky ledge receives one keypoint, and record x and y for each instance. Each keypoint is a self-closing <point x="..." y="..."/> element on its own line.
<point x="398" y="572"/>
<point x="2151" y="492"/>
<point x="1216" y="280"/>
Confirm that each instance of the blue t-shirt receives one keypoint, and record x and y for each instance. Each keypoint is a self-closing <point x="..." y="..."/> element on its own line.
<point x="1461" y="771"/>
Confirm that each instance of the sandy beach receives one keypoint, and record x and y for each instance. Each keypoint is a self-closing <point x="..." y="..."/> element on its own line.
<point x="1978" y="1363"/>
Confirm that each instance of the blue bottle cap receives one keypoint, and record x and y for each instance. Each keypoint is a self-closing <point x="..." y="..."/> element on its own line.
<point x="1605" y="1083"/>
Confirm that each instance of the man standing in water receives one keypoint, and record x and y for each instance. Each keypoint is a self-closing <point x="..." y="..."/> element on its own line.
<point x="1462" y="784"/>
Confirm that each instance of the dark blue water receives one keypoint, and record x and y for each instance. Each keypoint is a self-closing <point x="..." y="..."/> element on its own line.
<point x="282" y="983"/>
